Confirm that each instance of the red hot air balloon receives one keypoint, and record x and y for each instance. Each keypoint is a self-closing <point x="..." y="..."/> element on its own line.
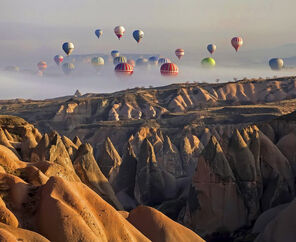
<point x="131" y="62"/>
<point x="58" y="59"/>
<point x="179" y="53"/>
<point x="169" y="69"/>
<point x="237" y="42"/>
<point x="42" y="65"/>
<point x="124" y="69"/>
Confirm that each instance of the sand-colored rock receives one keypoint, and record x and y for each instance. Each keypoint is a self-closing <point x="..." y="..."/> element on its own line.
<point x="108" y="159"/>
<point x="70" y="211"/>
<point x="90" y="174"/>
<point x="12" y="234"/>
<point x="158" y="227"/>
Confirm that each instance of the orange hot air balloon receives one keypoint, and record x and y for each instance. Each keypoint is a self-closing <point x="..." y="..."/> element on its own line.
<point x="237" y="42"/>
<point x="169" y="69"/>
<point x="179" y="53"/>
<point x="131" y="62"/>
<point x="42" y="65"/>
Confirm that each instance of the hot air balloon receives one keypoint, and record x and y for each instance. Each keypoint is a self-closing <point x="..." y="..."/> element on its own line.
<point x="119" y="31"/>
<point x="179" y="53"/>
<point x="237" y="42"/>
<point x="153" y="60"/>
<point x="163" y="60"/>
<point x="138" y="35"/>
<point x="119" y="59"/>
<point x="115" y="53"/>
<point x="58" y="59"/>
<point x="68" y="47"/>
<point x="142" y="61"/>
<point x="276" y="64"/>
<point x="97" y="62"/>
<point x="12" y="68"/>
<point x="99" y="33"/>
<point x="131" y="62"/>
<point x="42" y="65"/>
<point x="68" y="68"/>
<point x="211" y="48"/>
<point x="124" y="69"/>
<point x="169" y="69"/>
<point x="208" y="62"/>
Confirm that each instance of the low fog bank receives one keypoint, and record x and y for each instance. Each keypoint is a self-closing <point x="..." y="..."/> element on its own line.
<point x="55" y="84"/>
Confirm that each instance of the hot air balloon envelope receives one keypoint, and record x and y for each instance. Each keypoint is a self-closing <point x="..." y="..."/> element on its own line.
<point x="99" y="33"/>
<point x="237" y="42"/>
<point x="58" y="59"/>
<point x="153" y="60"/>
<point x="208" y="62"/>
<point x="115" y="53"/>
<point x="179" y="53"/>
<point x="42" y="65"/>
<point x="169" y="69"/>
<point x="138" y="35"/>
<point x="119" y="59"/>
<point x="68" y="47"/>
<point x="131" y="62"/>
<point x="124" y="69"/>
<point x="276" y="64"/>
<point x="163" y="60"/>
<point x="119" y="31"/>
<point x="211" y="48"/>
<point x="68" y="68"/>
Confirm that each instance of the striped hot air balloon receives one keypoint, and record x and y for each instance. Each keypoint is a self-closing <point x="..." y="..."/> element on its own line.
<point x="119" y="31"/>
<point x="119" y="59"/>
<point x="42" y="65"/>
<point x="169" y="69"/>
<point x="211" y="48"/>
<point x="58" y="59"/>
<point x="237" y="42"/>
<point x="179" y="53"/>
<point x="68" y="47"/>
<point x="163" y="60"/>
<point x="124" y="69"/>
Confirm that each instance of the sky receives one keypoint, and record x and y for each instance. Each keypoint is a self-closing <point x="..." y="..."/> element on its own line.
<point x="34" y="27"/>
<point x="33" y="30"/>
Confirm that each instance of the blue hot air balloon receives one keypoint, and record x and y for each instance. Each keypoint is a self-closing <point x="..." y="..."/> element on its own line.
<point x="211" y="48"/>
<point x="153" y="60"/>
<point x="115" y="53"/>
<point x="138" y="35"/>
<point x="68" y="47"/>
<point x="163" y="60"/>
<point x="99" y="33"/>
<point x="276" y="64"/>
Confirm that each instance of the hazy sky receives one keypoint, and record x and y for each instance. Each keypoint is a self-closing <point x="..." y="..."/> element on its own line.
<point x="36" y="28"/>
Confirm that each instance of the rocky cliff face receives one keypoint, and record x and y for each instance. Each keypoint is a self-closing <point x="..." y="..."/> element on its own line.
<point x="211" y="156"/>
<point x="60" y="193"/>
